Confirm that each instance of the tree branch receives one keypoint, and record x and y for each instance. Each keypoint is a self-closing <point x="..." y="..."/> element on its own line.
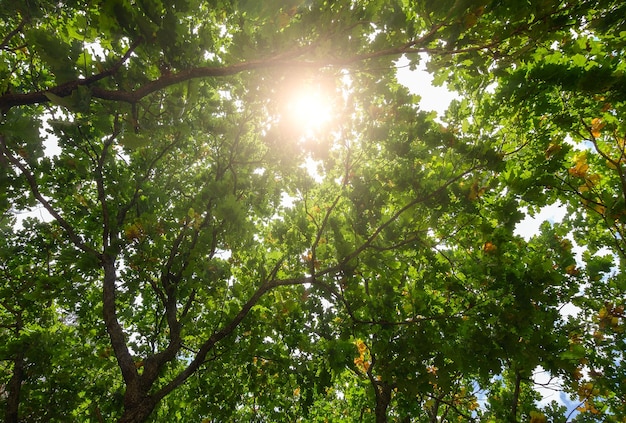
<point x="370" y="240"/>
<point x="5" y="41"/>
<point x="9" y="100"/>
<point x="34" y="187"/>
<point x="227" y="330"/>
<point x="114" y="329"/>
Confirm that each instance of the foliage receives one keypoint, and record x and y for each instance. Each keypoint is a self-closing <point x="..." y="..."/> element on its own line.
<point x="204" y="257"/>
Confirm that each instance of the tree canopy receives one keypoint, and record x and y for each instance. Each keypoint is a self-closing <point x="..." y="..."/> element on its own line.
<point x="242" y="215"/>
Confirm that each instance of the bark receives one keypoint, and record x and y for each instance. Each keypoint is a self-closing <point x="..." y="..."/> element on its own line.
<point x="383" y="398"/>
<point x="114" y="329"/>
<point x="139" y="412"/>
<point x="516" y="394"/>
<point x="14" y="388"/>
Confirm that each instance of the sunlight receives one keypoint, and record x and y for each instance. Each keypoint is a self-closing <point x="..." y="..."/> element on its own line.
<point x="309" y="110"/>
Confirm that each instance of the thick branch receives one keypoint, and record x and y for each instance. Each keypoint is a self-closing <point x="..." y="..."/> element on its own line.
<point x="9" y="99"/>
<point x="133" y="96"/>
<point x="516" y="394"/>
<point x="114" y="329"/>
<point x="108" y="235"/>
<point x="285" y="59"/>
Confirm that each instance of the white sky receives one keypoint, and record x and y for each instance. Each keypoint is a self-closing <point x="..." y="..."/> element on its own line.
<point x="420" y="82"/>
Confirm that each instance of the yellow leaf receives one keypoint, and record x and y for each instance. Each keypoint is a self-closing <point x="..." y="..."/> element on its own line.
<point x="596" y="126"/>
<point x="552" y="149"/>
<point x="580" y="167"/>
<point x="489" y="247"/>
<point x="600" y="209"/>
<point x="432" y="369"/>
<point x="593" y="179"/>
<point x="134" y="232"/>
<point x="473" y="194"/>
<point x="572" y="270"/>
<point x="577" y="374"/>
<point x="537" y="417"/>
<point x="579" y="170"/>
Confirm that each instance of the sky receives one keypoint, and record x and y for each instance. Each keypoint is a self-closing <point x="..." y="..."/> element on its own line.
<point x="420" y="82"/>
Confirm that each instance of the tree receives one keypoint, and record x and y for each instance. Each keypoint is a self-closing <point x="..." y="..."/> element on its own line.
<point x="563" y="104"/>
<point x="201" y="271"/>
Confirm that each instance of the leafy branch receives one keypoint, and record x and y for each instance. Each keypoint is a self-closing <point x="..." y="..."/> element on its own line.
<point x="34" y="188"/>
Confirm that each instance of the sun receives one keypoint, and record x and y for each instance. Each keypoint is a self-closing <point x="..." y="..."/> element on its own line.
<point x="309" y="110"/>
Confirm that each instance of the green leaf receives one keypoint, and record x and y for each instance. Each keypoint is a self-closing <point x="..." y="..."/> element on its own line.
<point x="133" y="141"/>
<point x="67" y="101"/>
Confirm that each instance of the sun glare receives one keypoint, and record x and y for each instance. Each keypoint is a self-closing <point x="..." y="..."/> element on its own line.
<point x="309" y="110"/>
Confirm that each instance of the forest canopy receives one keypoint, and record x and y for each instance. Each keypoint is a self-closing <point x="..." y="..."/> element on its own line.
<point x="237" y="213"/>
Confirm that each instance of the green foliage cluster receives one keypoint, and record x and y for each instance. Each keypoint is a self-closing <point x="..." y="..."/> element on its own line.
<point x="200" y="257"/>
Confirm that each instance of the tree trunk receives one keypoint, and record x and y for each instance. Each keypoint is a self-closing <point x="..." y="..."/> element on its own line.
<point x="138" y="412"/>
<point x="383" y="398"/>
<point x="515" y="401"/>
<point x="14" y="388"/>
